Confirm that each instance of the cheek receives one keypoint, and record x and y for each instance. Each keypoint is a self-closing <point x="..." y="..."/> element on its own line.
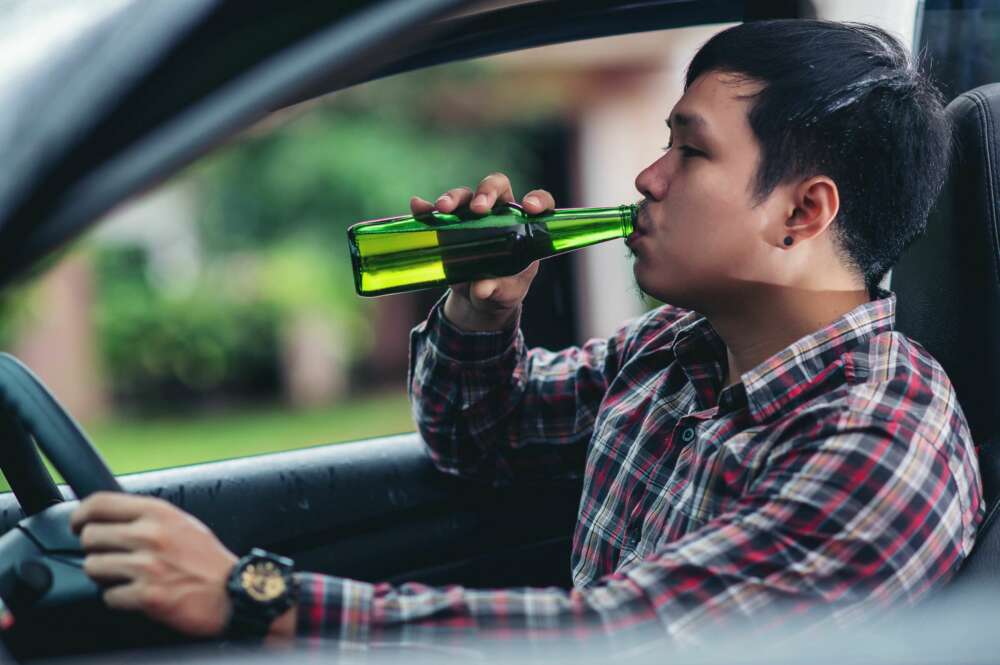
<point x="735" y="247"/>
<point x="710" y="236"/>
<point x="708" y="233"/>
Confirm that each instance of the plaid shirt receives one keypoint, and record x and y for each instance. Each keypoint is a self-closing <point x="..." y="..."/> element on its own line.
<point x="838" y="476"/>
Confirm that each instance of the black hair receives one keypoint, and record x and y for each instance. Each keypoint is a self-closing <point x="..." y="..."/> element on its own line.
<point x="843" y="100"/>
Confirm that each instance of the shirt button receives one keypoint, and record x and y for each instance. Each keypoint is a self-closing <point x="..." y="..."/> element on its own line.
<point x="687" y="436"/>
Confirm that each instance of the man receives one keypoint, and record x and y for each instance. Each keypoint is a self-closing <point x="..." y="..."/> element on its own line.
<point x="763" y="442"/>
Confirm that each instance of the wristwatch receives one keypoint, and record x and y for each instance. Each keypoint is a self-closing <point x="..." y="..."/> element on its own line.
<point x="261" y="588"/>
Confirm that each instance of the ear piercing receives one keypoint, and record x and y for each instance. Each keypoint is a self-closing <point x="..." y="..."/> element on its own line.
<point x="788" y="241"/>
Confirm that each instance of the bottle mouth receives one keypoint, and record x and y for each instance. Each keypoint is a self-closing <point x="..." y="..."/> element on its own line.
<point x="355" y="262"/>
<point x="628" y="218"/>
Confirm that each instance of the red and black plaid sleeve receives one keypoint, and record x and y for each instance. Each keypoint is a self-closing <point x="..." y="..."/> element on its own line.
<point x="489" y="408"/>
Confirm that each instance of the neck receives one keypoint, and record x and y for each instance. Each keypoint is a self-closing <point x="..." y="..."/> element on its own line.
<point x="763" y="324"/>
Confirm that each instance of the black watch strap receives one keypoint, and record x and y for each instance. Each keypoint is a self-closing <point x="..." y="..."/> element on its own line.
<point x="247" y="625"/>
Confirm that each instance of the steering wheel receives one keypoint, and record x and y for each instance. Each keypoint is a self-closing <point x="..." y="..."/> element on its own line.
<point x="41" y="560"/>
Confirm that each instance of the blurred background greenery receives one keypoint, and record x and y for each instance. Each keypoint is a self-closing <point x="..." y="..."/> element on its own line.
<point x="191" y="362"/>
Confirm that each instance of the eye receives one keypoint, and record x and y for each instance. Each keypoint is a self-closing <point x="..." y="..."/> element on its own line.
<point x="685" y="150"/>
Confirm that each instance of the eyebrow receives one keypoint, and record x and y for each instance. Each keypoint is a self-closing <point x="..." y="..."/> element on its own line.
<point x="692" y="120"/>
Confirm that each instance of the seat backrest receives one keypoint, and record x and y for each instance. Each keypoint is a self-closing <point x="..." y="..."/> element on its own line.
<point x="948" y="291"/>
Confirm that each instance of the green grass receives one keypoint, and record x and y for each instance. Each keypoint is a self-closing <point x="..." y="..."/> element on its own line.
<point x="130" y="445"/>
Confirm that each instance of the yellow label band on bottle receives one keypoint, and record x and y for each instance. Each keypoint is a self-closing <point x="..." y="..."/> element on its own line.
<point x="387" y="260"/>
<point x="378" y="244"/>
<point x="372" y="281"/>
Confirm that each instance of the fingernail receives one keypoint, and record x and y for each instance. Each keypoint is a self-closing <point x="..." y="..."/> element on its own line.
<point x="444" y="198"/>
<point x="533" y="201"/>
<point x="480" y="200"/>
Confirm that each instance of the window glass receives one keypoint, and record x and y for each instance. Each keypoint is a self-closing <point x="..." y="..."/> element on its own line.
<point x="961" y="38"/>
<point x="215" y="316"/>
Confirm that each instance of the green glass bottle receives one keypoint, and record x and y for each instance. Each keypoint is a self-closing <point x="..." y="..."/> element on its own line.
<point x="417" y="252"/>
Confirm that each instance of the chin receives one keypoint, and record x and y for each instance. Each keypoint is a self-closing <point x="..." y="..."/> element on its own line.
<point x="647" y="286"/>
<point x="671" y="296"/>
<point x="644" y="290"/>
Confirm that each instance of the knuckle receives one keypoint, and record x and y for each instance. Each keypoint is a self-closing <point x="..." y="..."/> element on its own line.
<point x="82" y="512"/>
<point x="543" y="196"/>
<point x="157" y="538"/>
<point x="104" y="500"/>
<point x="149" y="565"/>
<point x="162" y="510"/>
<point x="492" y="184"/>
<point x="458" y="194"/>
<point x="149" y="597"/>
<point x="88" y="507"/>
<point x="90" y="536"/>
<point x="159" y="504"/>
<point x="151" y="535"/>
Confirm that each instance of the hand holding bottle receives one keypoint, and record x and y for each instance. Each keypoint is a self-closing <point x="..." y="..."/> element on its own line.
<point x="489" y="257"/>
<point x="487" y="304"/>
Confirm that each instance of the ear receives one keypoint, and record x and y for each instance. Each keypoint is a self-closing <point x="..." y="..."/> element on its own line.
<point x="816" y="203"/>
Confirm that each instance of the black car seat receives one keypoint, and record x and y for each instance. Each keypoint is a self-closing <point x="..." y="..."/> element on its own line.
<point x="948" y="290"/>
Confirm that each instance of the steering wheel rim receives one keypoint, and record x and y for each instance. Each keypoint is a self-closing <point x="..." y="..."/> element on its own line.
<point x="42" y="575"/>
<point x="34" y="416"/>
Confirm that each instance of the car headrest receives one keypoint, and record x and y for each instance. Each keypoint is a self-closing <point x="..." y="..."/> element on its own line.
<point x="948" y="298"/>
<point x="948" y="282"/>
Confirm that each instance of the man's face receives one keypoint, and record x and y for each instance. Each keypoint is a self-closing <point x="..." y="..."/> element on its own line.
<point x="700" y="238"/>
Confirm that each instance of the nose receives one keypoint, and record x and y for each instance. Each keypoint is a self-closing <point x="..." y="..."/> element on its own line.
<point x="653" y="182"/>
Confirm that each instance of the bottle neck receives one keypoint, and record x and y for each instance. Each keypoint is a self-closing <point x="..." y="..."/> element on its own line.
<point x="624" y="215"/>
<point x="573" y="228"/>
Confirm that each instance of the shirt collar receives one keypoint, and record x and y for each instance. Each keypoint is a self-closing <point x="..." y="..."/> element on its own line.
<point x="784" y="379"/>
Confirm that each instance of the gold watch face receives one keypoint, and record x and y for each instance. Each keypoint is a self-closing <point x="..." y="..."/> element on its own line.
<point x="262" y="581"/>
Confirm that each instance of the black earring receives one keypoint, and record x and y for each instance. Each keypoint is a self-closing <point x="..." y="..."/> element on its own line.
<point x="788" y="240"/>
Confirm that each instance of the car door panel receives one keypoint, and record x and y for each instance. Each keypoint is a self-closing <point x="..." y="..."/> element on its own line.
<point x="372" y="510"/>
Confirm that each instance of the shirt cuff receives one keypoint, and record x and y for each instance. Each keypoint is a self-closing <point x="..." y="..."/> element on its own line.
<point x="464" y="346"/>
<point x="333" y="608"/>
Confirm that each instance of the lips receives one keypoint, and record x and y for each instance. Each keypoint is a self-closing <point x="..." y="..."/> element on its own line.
<point x="633" y="238"/>
<point x="640" y="227"/>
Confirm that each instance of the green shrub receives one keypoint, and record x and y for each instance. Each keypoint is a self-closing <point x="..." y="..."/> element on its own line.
<point x="162" y="352"/>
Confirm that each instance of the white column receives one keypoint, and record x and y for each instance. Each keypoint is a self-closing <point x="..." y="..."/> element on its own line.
<point x="898" y="17"/>
<point x="614" y="142"/>
<point x="618" y="137"/>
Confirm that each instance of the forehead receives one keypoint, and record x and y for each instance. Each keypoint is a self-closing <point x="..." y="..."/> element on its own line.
<point x="716" y="104"/>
